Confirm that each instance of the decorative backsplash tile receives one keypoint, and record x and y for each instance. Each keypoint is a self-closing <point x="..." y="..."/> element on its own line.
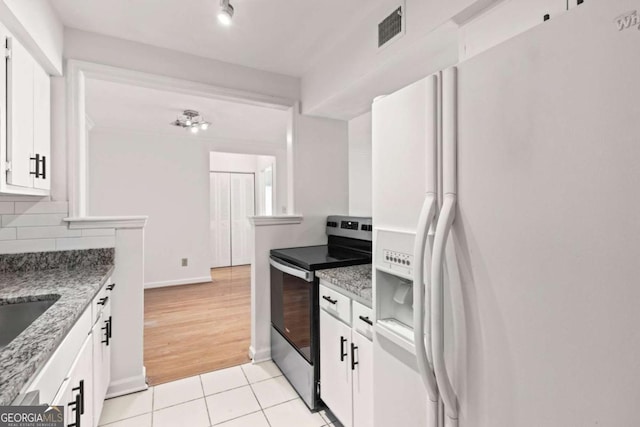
<point x="39" y="226"/>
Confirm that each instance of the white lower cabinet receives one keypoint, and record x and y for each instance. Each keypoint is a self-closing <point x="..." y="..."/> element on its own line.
<point x="101" y="336"/>
<point x="75" y="392"/>
<point x="80" y="369"/>
<point x="363" y="382"/>
<point x="346" y="365"/>
<point x="335" y="368"/>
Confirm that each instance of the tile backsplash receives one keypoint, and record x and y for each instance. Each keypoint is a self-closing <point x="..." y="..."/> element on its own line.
<point x="38" y="226"/>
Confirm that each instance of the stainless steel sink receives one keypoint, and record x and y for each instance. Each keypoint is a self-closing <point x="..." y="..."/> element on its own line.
<point x="16" y="317"/>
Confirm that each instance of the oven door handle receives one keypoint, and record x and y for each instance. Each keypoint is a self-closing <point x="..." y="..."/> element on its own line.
<point x="291" y="269"/>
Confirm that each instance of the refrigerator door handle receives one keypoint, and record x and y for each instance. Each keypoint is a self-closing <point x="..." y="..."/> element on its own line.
<point x="427" y="216"/>
<point x="445" y="220"/>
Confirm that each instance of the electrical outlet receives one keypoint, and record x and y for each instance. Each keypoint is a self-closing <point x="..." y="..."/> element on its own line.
<point x="185" y="262"/>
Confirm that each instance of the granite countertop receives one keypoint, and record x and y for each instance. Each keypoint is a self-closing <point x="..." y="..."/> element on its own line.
<point x="74" y="289"/>
<point x="355" y="280"/>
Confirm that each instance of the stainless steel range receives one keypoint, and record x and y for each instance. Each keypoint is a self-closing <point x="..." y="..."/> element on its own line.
<point x="295" y="326"/>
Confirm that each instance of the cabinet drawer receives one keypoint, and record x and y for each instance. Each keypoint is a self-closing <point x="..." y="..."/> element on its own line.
<point x="335" y="303"/>
<point x="363" y="320"/>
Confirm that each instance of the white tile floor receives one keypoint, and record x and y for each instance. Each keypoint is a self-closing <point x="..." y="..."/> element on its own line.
<point x="243" y="396"/>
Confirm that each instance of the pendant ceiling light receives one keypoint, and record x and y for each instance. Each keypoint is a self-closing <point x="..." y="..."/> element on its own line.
<point x="191" y="120"/>
<point x="225" y="13"/>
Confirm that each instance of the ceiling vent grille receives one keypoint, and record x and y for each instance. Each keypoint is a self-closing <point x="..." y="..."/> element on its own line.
<point x="390" y="27"/>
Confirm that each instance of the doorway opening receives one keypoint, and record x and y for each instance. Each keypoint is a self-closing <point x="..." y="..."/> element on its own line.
<point x="240" y="186"/>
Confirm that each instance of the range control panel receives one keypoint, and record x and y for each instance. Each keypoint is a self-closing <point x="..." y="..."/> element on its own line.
<point x="354" y="227"/>
<point x="397" y="258"/>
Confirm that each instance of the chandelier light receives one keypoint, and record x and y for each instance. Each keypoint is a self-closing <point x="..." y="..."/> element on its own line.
<point x="192" y="120"/>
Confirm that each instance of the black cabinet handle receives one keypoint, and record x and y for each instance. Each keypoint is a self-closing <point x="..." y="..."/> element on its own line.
<point x="80" y="390"/>
<point x="103" y="301"/>
<point x="110" y="326"/>
<point x="76" y="409"/>
<point x="366" y="320"/>
<point x="343" y="353"/>
<point x="37" y="160"/>
<point x="327" y="298"/>
<point x="107" y="332"/>
<point x="353" y="356"/>
<point x="43" y="175"/>
<point x="111" y="286"/>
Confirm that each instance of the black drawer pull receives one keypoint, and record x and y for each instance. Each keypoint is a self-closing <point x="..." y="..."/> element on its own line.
<point x="111" y="286"/>
<point x="328" y="298"/>
<point x="76" y="409"/>
<point x="107" y="332"/>
<point x="353" y="356"/>
<point x="110" y="326"/>
<point x="103" y="301"/>
<point x="343" y="353"/>
<point x="366" y="320"/>
<point x="80" y="390"/>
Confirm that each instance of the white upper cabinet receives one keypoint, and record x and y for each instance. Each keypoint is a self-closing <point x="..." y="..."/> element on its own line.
<point x="504" y="21"/>
<point x="42" y="126"/>
<point x="26" y="122"/>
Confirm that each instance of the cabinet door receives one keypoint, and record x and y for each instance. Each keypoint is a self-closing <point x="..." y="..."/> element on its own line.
<point x="20" y="68"/>
<point x="42" y="126"/>
<point x="242" y="206"/>
<point x="362" y="381"/>
<point x="504" y="21"/>
<point x="80" y="402"/>
<point x="335" y="367"/>
<point x="101" y="337"/>
<point x="220" y="221"/>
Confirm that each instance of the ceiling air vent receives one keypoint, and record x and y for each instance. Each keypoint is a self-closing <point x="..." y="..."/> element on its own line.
<point x="390" y="27"/>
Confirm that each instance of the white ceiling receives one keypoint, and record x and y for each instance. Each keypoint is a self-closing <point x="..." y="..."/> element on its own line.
<point x="121" y="106"/>
<point x="284" y="36"/>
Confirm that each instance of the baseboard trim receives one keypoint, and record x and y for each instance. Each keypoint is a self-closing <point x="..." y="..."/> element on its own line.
<point x="189" y="281"/>
<point x="128" y="385"/>
<point x="259" y="356"/>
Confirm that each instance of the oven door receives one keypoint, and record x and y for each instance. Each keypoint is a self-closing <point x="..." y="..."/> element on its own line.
<point x="292" y="305"/>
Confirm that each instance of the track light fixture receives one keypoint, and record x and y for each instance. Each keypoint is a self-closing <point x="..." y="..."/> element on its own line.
<point x="191" y="120"/>
<point x="225" y="13"/>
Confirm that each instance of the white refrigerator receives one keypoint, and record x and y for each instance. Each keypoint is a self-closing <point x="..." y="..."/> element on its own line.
<point x="530" y="304"/>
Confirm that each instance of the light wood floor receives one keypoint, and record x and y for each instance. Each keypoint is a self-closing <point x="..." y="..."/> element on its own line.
<point x="193" y="329"/>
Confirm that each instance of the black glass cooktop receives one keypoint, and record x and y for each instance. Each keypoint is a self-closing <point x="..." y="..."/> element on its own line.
<point x="321" y="257"/>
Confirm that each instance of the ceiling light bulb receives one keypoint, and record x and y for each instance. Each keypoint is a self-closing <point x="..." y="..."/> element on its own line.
<point x="204" y="126"/>
<point x="226" y="13"/>
<point x="194" y="129"/>
<point x="188" y="122"/>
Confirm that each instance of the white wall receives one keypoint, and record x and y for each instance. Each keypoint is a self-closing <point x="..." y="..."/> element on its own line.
<point x="360" y="165"/>
<point x="232" y="162"/>
<point x="321" y="171"/>
<point x="166" y="178"/>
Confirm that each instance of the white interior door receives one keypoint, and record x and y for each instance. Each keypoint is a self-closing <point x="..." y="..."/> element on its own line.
<point x="220" y="219"/>
<point x="242" y="206"/>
